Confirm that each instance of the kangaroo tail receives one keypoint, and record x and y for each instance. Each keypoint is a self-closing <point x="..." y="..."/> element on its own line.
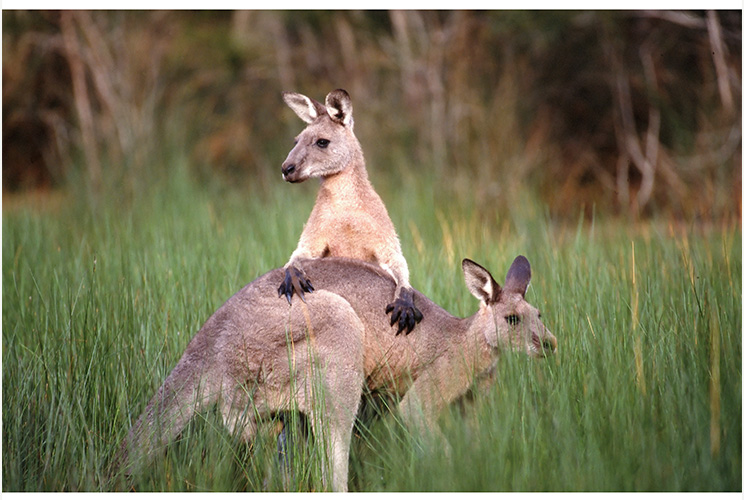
<point x="185" y="391"/>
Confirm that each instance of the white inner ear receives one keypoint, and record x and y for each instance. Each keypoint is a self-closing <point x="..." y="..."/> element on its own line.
<point x="487" y="288"/>
<point x="311" y="109"/>
<point x="302" y="106"/>
<point x="332" y="112"/>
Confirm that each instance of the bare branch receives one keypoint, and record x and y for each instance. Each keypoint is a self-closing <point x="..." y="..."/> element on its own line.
<point x="717" y="51"/>
<point x="283" y="51"/>
<point x="81" y="97"/>
<point x="652" y="134"/>
<point x="102" y="68"/>
<point x="644" y="157"/>
<point x="623" y="163"/>
<point x="681" y="18"/>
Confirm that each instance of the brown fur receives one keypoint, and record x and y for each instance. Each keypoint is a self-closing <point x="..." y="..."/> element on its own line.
<point x="349" y="219"/>
<point x="257" y="356"/>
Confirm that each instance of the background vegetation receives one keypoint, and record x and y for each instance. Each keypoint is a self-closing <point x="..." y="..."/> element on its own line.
<point x="603" y="146"/>
<point x="630" y="112"/>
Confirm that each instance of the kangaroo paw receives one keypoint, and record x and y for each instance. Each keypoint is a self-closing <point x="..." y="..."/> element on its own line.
<point x="404" y="312"/>
<point x="295" y="281"/>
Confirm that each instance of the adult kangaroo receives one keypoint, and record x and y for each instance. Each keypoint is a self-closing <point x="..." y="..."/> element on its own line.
<point x="256" y="357"/>
<point x="349" y="219"/>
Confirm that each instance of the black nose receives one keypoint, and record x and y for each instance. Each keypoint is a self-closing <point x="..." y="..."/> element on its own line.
<point x="549" y="345"/>
<point x="288" y="169"/>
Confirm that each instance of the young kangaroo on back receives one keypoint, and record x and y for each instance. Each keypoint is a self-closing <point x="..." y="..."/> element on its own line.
<point x="256" y="357"/>
<point x="349" y="219"/>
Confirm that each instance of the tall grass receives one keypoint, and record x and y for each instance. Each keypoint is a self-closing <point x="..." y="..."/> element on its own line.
<point x="100" y="299"/>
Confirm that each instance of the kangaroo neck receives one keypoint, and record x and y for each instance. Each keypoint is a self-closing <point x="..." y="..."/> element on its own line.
<point x="461" y="346"/>
<point x="350" y="184"/>
<point x="476" y="341"/>
<point x="467" y="334"/>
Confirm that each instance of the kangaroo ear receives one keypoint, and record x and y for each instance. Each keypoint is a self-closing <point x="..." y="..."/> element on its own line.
<point x="480" y="282"/>
<point x="339" y="107"/>
<point x="307" y="109"/>
<point x="519" y="275"/>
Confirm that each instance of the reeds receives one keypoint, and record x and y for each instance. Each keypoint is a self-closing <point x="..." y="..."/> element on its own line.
<point x="643" y="395"/>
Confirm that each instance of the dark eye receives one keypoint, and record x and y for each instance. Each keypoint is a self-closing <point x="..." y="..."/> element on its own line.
<point x="322" y="143"/>
<point x="512" y="319"/>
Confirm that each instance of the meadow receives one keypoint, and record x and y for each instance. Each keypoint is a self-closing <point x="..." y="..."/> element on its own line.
<point x="102" y="294"/>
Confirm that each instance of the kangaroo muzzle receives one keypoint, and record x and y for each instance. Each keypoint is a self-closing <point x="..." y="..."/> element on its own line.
<point x="288" y="171"/>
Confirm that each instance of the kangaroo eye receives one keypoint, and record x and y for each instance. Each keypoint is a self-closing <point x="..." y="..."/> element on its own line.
<point x="512" y="319"/>
<point x="322" y="143"/>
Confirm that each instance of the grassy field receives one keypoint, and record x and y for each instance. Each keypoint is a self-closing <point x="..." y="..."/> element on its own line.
<point x="100" y="299"/>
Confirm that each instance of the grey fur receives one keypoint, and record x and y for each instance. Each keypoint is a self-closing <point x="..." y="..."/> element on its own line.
<point x="255" y="351"/>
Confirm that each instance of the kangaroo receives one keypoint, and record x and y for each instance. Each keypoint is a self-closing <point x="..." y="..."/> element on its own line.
<point x="256" y="358"/>
<point x="349" y="219"/>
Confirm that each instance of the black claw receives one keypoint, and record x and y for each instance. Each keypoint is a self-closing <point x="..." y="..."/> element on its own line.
<point x="395" y="315"/>
<point x="287" y="288"/>
<point x="295" y="281"/>
<point x="405" y="312"/>
<point x="402" y="323"/>
<point x="284" y="290"/>
<point x="409" y="322"/>
<point x="417" y="316"/>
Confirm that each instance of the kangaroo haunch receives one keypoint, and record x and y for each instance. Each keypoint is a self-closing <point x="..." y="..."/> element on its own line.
<point x="257" y="356"/>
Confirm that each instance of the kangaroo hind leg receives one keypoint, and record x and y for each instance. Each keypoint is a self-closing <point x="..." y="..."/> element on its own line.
<point x="333" y="422"/>
<point x="334" y="383"/>
<point x="239" y="414"/>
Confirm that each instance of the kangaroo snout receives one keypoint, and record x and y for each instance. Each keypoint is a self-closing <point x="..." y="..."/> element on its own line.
<point x="287" y="172"/>
<point x="549" y="344"/>
<point x="541" y="345"/>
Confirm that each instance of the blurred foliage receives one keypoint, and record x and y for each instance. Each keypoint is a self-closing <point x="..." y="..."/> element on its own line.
<point x="631" y="112"/>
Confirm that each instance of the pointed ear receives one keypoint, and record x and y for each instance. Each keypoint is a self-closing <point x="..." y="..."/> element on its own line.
<point x="480" y="282"/>
<point x="307" y="109"/>
<point x="518" y="277"/>
<point x="339" y="107"/>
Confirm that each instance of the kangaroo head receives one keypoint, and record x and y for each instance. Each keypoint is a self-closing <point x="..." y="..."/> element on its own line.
<point x="327" y="145"/>
<point x="508" y="321"/>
